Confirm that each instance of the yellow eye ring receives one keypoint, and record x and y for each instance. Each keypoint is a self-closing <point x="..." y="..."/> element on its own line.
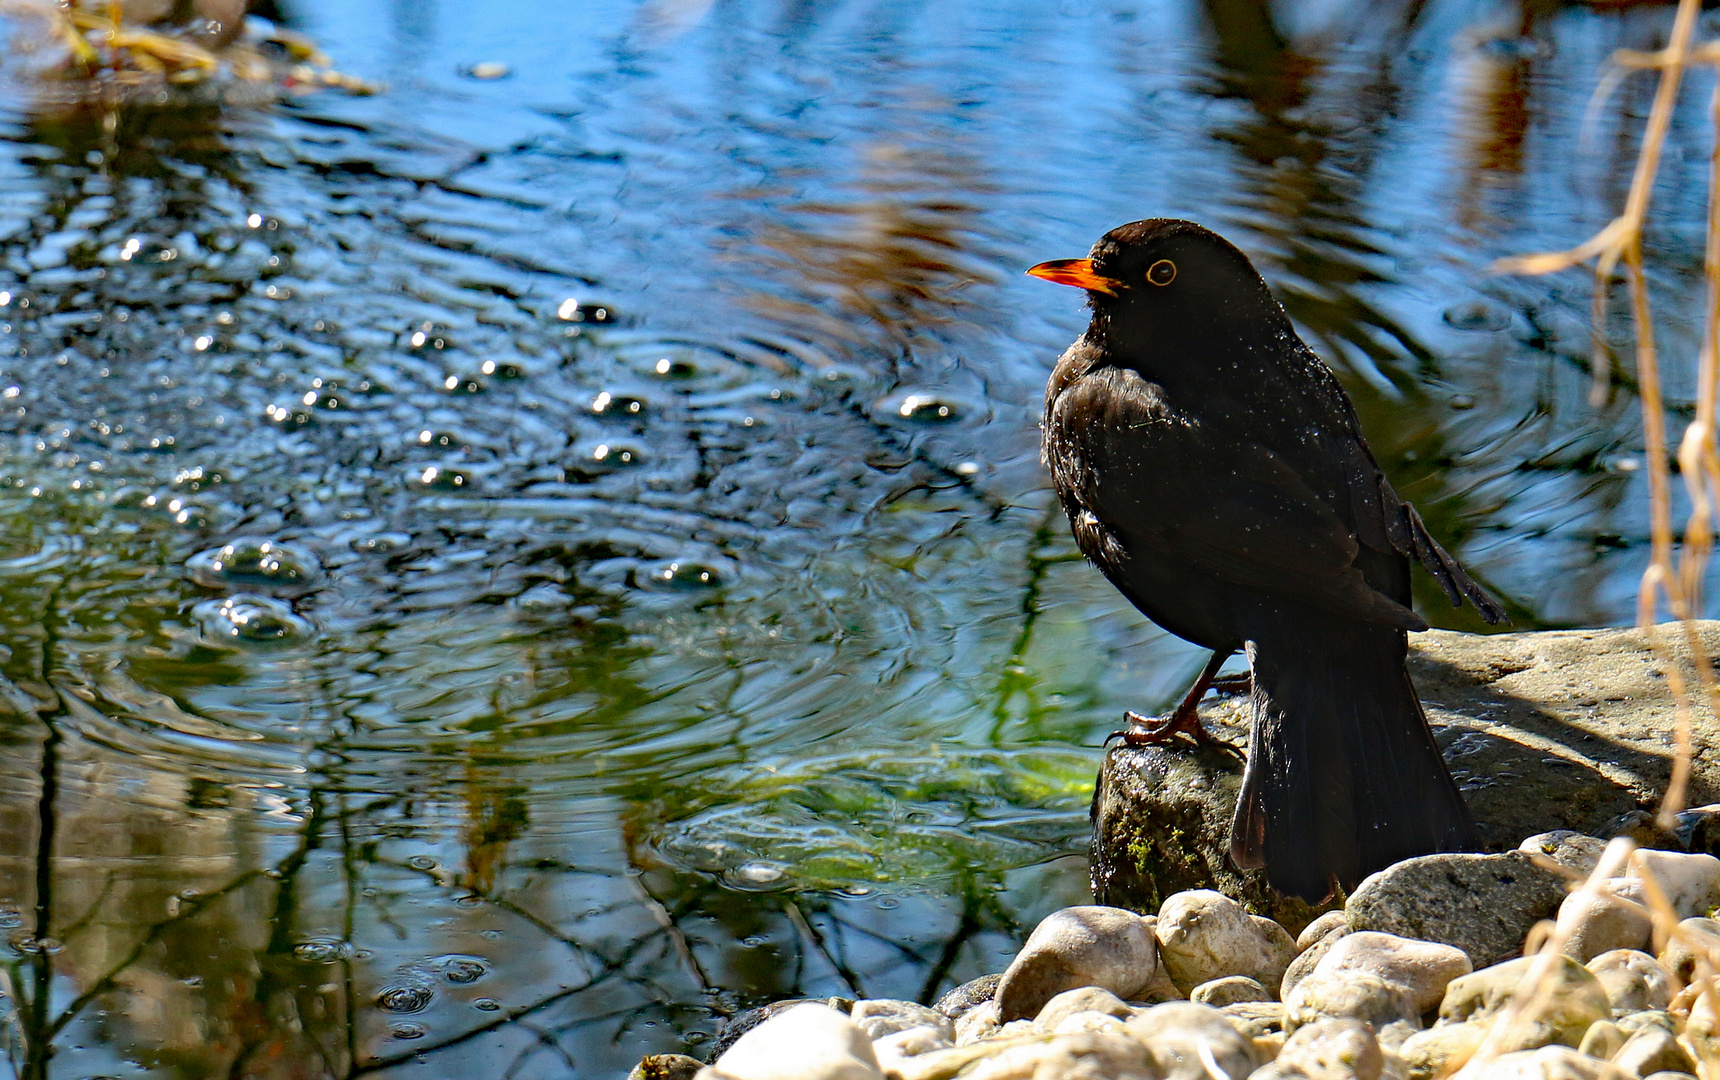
<point x="1162" y="272"/>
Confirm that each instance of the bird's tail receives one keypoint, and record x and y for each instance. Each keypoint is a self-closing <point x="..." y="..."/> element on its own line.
<point x="1343" y="775"/>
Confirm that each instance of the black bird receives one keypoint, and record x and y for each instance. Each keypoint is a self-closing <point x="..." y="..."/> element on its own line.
<point x="1213" y="468"/>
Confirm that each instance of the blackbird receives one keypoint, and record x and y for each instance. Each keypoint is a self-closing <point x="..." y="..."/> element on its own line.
<point x="1213" y="468"/>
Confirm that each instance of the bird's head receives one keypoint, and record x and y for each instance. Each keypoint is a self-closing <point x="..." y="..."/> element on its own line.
<point x="1163" y="276"/>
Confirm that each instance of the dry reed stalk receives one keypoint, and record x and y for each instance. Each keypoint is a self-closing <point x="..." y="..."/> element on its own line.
<point x="1673" y="579"/>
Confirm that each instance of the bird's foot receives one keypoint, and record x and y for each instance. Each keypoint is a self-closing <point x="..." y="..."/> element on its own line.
<point x="1233" y="685"/>
<point x="1162" y="731"/>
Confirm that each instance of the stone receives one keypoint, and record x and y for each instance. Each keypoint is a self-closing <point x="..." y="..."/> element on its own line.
<point x="1701" y="1036"/>
<point x="907" y="1043"/>
<point x="1331" y="1048"/>
<point x="1333" y="922"/>
<point x="977" y="1024"/>
<point x="1482" y="904"/>
<point x="806" y="1042"/>
<point x="1205" y="935"/>
<point x="1176" y="1033"/>
<point x="1691" y="882"/>
<point x="1690" y="940"/>
<point x="1424" y="968"/>
<point x="1653" y="1049"/>
<point x="1631" y="1023"/>
<point x="1313" y="948"/>
<point x="1083" y="999"/>
<point x="1577" y="852"/>
<point x="1545" y="732"/>
<point x="1360" y="995"/>
<point x="1602" y="1040"/>
<point x="1547" y="1063"/>
<point x="974" y="992"/>
<point x="879" y="1017"/>
<point x="1633" y="980"/>
<point x="1229" y="990"/>
<point x="1671" y="1076"/>
<point x="1075" y="947"/>
<point x="1606" y="918"/>
<point x="666" y="1067"/>
<point x="1256" y="1019"/>
<point x="1086" y="1020"/>
<point x="743" y="1022"/>
<point x="1577" y="1002"/>
<point x="1440" y="1050"/>
<point x="1080" y="1056"/>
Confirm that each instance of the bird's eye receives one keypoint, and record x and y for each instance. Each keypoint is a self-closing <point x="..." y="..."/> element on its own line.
<point x="1162" y="272"/>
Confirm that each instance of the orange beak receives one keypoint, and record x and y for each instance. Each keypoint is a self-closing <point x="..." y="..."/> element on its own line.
<point x="1076" y="272"/>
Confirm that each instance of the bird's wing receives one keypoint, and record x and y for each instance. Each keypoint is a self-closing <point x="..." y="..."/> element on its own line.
<point x="1144" y="480"/>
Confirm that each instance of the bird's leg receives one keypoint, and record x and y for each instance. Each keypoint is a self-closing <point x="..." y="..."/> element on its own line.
<point x="1233" y="684"/>
<point x="1184" y="720"/>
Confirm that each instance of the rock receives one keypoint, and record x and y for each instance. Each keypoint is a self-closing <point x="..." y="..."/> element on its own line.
<point x="959" y="1000"/>
<point x="1161" y="823"/>
<point x="1086" y="1020"/>
<point x="1314" y="946"/>
<point x="1602" y="1040"/>
<point x="1578" y="1000"/>
<point x="1547" y="1063"/>
<point x="666" y="1067"/>
<point x="1578" y="852"/>
<point x="879" y="1017"/>
<point x="1671" y="1076"/>
<point x="1643" y="829"/>
<point x="909" y="1042"/>
<point x="1701" y="1036"/>
<point x="1482" y="904"/>
<point x="1333" y="922"/>
<point x="1633" y="980"/>
<point x="1440" y="1051"/>
<point x="1205" y="935"/>
<point x="1606" y="919"/>
<point x="1545" y="732"/>
<point x="1360" y="995"/>
<point x="806" y="1042"/>
<point x="1693" y="938"/>
<point x="1653" y="1049"/>
<point x="1081" y="1056"/>
<point x="1631" y="1023"/>
<point x="1229" y="990"/>
<point x="1691" y="882"/>
<point x="1423" y="968"/>
<point x="1330" y="1049"/>
<point x="743" y="1022"/>
<point x="1175" y="1033"/>
<point x="1075" y="947"/>
<point x="1256" y="1019"/>
<point x="1084" y="999"/>
<point x="977" y="1023"/>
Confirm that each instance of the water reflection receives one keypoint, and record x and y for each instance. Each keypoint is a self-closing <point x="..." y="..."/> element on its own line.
<point x="503" y="576"/>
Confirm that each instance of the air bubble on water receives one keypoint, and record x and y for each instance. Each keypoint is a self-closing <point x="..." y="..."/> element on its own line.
<point x="919" y="407"/>
<point x="404" y="997"/>
<point x="611" y="403"/>
<point x="406" y="1029"/>
<point x="421" y="862"/>
<point x="460" y="969"/>
<point x="323" y="950"/>
<point x="250" y="619"/>
<point x="1477" y="315"/>
<point x="576" y="311"/>
<point x="380" y="543"/>
<point x="253" y="561"/>
<point x="757" y="874"/>
<point x="680" y="575"/>
<point x="438" y="478"/>
<point x="487" y="1005"/>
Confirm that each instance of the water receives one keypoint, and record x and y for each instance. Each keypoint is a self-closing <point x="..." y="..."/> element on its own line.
<point x="501" y="574"/>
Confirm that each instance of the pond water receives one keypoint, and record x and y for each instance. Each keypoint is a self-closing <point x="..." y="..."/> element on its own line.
<point x="499" y="575"/>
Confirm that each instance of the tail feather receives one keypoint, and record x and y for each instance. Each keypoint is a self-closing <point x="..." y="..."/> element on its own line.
<point x="1343" y="775"/>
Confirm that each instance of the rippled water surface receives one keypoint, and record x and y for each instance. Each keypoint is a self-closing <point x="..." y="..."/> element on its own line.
<point x="498" y="575"/>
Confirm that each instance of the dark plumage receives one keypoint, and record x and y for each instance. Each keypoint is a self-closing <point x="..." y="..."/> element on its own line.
<point x="1213" y="468"/>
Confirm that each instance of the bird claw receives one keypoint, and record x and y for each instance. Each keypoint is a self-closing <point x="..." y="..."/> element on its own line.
<point x="1144" y="731"/>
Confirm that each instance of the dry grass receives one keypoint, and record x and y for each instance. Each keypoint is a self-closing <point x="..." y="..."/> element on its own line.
<point x="1673" y="580"/>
